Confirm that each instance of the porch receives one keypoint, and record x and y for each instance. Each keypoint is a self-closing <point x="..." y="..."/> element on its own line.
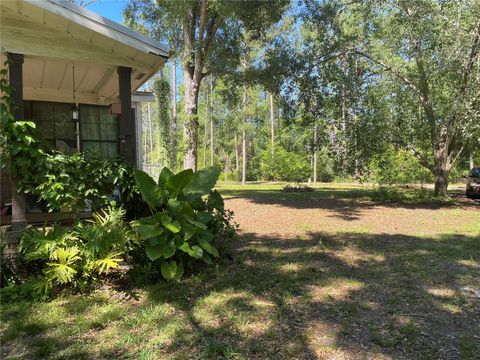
<point x="62" y="60"/>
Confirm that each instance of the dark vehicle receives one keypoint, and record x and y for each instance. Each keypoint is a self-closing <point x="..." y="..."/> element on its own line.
<point x="473" y="183"/>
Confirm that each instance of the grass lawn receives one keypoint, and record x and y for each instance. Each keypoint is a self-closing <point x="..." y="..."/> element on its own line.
<point x="345" y="272"/>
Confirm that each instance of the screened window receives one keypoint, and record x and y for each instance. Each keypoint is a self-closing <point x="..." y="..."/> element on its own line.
<point x="53" y="124"/>
<point x="99" y="130"/>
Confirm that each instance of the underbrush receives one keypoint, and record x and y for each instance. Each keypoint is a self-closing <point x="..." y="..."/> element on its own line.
<point x="297" y="188"/>
<point x="187" y="224"/>
<point x="408" y="195"/>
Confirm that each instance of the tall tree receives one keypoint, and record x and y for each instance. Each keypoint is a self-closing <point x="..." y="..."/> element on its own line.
<point x="433" y="49"/>
<point x="210" y="37"/>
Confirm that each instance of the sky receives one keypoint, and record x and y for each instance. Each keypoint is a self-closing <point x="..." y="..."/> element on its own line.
<point x="111" y="9"/>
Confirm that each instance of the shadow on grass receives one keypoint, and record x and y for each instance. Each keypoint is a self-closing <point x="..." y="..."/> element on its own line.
<point x="355" y="294"/>
<point x="349" y="295"/>
<point x="347" y="203"/>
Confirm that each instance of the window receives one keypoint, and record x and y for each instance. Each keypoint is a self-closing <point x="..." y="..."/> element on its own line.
<point x="98" y="130"/>
<point x="53" y="123"/>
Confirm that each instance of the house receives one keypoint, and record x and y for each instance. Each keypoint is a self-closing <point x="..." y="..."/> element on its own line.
<point x="66" y="62"/>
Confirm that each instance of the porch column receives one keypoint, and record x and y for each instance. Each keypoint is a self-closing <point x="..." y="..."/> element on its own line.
<point x="15" y="78"/>
<point x="126" y="128"/>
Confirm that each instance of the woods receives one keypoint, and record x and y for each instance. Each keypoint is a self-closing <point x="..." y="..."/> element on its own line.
<point x="324" y="91"/>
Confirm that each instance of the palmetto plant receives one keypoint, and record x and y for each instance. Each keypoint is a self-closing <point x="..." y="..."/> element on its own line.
<point x="77" y="256"/>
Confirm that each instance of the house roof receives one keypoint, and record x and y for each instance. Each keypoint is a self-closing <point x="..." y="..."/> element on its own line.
<point x="62" y="41"/>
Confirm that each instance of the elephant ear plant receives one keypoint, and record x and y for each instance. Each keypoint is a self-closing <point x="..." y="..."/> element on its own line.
<point x="186" y="215"/>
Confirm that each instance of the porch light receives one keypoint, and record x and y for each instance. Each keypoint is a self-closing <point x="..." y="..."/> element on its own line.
<point x="75" y="113"/>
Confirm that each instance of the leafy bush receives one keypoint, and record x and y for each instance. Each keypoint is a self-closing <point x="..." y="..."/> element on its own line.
<point x="297" y="188"/>
<point x="186" y="215"/>
<point x="72" y="256"/>
<point x="69" y="180"/>
<point x="288" y="166"/>
<point x="397" y="167"/>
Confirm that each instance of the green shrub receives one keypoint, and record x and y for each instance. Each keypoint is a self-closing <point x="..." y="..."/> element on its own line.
<point x="288" y="166"/>
<point x="71" y="256"/>
<point x="186" y="215"/>
<point x="69" y="180"/>
<point x="397" y="166"/>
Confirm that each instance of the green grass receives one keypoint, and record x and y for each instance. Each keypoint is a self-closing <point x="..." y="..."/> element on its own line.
<point x="324" y="294"/>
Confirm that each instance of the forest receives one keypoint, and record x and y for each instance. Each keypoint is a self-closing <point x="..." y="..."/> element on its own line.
<point x="375" y="91"/>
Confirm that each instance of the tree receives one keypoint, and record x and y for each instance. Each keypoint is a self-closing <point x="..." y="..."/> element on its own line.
<point x="210" y="37"/>
<point x="407" y="69"/>
<point x="432" y="48"/>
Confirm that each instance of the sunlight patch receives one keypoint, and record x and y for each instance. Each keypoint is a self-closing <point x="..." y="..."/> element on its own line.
<point x="441" y="292"/>
<point x="291" y="267"/>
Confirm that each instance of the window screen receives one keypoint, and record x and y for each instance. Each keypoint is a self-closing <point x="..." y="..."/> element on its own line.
<point x="54" y="124"/>
<point x="99" y="130"/>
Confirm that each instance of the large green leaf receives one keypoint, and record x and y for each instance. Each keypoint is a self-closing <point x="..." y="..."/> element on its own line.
<point x="194" y="251"/>
<point x="177" y="183"/>
<point x="153" y="252"/>
<point x="165" y="174"/>
<point x="212" y="250"/>
<point x="215" y="201"/>
<point x="198" y="224"/>
<point x="204" y="238"/>
<point x="174" y="206"/>
<point x="148" y="188"/>
<point x="158" y="240"/>
<point x="207" y="259"/>
<point x="172" y="225"/>
<point x="168" y="269"/>
<point x="180" y="271"/>
<point x="188" y="230"/>
<point x="204" y="217"/>
<point x="187" y="209"/>
<point x="169" y="249"/>
<point x="203" y="181"/>
<point x="157" y="247"/>
<point x="147" y="231"/>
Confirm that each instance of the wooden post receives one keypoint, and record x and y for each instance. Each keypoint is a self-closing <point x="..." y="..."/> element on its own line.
<point x="15" y="78"/>
<point x="126" y="123"/>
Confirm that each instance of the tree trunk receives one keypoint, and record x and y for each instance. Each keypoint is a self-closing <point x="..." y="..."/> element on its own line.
<point x="244" y="138"/>
<point x="212" y="148"/>
<point x="471" y="162"/>
<point x="272" y="122"/>
<point x="315" y="153"/>
<point x="343" y="145"/>
<point x="174" y="117"/>
<point x="442" y="169"/>
<point x="191" y="121"/>
<point x="237" y="157"/>
<point x="227" y="166"/>
<point x="205" y="122"/>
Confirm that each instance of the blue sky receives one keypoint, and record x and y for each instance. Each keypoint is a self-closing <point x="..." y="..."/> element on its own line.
<point x="111" y="9"/>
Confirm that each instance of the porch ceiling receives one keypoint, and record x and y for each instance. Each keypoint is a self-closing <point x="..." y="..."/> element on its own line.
<point x="56" y="37"/>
